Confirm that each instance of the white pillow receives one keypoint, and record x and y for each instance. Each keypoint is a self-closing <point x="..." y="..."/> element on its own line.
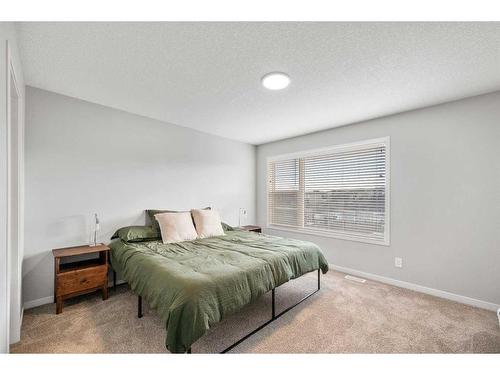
<point x="176" y="227"/>
<point x="207" y="223"/>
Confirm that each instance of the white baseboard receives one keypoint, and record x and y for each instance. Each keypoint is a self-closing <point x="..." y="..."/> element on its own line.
<point x="386" y="280"/>
<point x="38" y="302"/>
<point x="419" y="288"/>
<point x="50" y="299"/>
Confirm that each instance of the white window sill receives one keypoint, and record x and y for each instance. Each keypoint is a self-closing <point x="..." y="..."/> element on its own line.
<point x="340" y="236"/>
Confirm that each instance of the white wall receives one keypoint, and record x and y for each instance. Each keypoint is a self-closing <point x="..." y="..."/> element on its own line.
<point x="445" y="196"/>
<point x="7" y="37"/>
<point x="83" y="158"/>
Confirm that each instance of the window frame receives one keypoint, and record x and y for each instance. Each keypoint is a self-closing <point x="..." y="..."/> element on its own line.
<point x="383" y="141"/>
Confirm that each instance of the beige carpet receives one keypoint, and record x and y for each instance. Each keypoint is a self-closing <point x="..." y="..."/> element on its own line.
<point x="344" y="317"/>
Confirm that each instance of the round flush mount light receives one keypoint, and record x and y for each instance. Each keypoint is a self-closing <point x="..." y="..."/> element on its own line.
<point x="275" y="81"/>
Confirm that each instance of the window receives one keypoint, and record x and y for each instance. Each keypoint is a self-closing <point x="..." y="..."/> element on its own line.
<point x="342" y="191"/>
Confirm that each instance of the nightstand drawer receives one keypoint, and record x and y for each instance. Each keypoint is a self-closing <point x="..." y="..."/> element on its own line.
<point x="82" y="279"/>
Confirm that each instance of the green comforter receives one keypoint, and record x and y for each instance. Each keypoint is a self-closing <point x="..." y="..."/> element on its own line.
<point x="195" y="284"/>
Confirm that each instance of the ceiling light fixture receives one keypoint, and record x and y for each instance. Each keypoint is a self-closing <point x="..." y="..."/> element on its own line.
<point x="275" y="81"/>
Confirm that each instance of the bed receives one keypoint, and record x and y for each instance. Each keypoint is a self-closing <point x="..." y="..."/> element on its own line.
<point x="195" y="284"/>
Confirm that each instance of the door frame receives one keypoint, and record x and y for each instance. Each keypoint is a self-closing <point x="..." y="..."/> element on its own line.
<point x="14" y="255"/>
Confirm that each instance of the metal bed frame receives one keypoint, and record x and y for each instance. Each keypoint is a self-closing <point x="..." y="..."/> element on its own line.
<point x="274" y="315"/>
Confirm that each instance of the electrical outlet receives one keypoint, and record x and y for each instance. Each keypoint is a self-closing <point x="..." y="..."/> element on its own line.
<point x="398" y="262"/>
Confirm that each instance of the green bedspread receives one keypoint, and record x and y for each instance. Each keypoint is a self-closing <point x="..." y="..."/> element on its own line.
<point x="195" y="284"/>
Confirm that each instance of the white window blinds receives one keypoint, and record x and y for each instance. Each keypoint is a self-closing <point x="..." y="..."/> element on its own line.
<point x="341" y="191"/>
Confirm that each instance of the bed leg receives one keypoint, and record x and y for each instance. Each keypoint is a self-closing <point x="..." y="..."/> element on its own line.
<point x="139" y="306"/>
<point x="188" y="351"/>
<point x="114" y="280"/>
<point x="275" y="316"/>
<point x="273" y="298"/>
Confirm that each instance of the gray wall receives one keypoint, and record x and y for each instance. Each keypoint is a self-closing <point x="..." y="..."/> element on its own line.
<point x="83" y="158"/>
<point x="445" y="196"/>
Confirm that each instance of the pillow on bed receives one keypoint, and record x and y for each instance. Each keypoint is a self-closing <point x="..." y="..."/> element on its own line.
<point x="136" y="233"/>
<point x="207" y="223"/>
<point x="176" y="227"/>
<point x="226" y="227"/>
<point x="151" y="215"/>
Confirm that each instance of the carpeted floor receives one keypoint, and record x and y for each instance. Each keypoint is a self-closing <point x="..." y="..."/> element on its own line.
<point x="344" y="317"/>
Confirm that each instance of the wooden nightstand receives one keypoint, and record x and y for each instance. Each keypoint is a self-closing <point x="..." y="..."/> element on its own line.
<point x="72" y="278"/>
<point x="252" y="228"/>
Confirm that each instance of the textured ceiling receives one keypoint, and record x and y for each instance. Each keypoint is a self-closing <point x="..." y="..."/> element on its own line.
<point x="206" y="76"/>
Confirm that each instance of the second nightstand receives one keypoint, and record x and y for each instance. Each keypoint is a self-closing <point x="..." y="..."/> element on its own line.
<point x="252" y="228"/>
